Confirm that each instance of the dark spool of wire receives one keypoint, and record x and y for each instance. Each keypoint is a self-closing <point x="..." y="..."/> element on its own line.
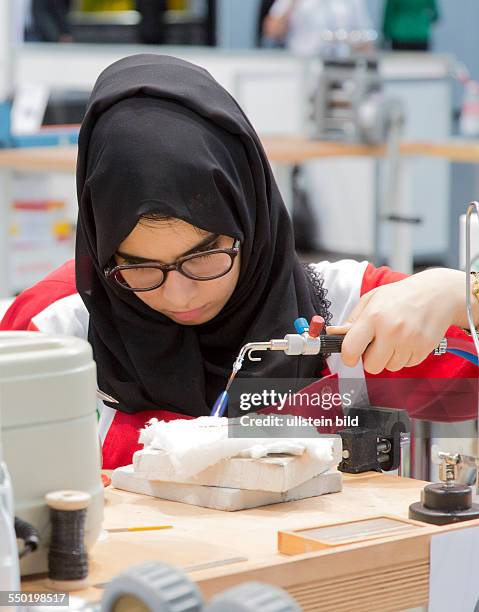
<point x="67" y="556"/>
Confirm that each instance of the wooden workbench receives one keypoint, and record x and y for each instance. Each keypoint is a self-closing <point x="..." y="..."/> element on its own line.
<point x="280" y="150"/>
<point x="385" y="574"/>
<point x="298" y="150"/>
<point x="39" y="159"/>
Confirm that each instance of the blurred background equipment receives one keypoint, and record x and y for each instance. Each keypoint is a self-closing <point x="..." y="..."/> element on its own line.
<point x="349" y="102"/>
<point x="185" y="22"/>
<point x="322" y="198"/>
<point x="407" y="24"/>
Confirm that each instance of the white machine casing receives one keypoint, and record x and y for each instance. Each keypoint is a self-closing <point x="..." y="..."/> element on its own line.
<point x="49" y="429"/>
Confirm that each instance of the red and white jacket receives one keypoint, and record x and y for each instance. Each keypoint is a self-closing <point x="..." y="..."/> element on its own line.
<point x="54" y="306"/>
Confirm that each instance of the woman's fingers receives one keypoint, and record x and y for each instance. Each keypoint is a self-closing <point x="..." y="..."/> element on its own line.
<point x="399" y="359"/>
<point x="377" y="355"/>
<point x="414" y="360"/>
<point x="338" y="330"/>
<point x="353" y="343"/>
<point x="354" y="316"/>
<point x="356" y="341"/>
<point x="419" y="354"/>
<point x="392" y="327"/>
<point x="383" y="340"/>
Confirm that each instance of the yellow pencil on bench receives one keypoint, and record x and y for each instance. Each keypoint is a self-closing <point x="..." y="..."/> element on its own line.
<point x="145" y="528"/>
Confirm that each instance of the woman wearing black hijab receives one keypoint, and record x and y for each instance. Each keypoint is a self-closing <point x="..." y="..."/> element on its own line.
<point x="170" y="171"/>
<point x="161" y="138"/>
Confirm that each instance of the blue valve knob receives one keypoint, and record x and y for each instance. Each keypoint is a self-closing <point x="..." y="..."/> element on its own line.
<point x="301" y="325"/>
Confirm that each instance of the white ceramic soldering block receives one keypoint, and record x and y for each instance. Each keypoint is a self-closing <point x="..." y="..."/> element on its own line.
<point x="223" y="498"/>
<point x="277" y="473"/>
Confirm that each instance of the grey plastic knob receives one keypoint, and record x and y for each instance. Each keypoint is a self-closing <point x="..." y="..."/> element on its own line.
<point x="155" y="586"/>
<point x="253" y="597"/>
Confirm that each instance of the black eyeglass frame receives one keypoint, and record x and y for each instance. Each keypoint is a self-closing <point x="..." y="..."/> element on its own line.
<point x="110" y="272"/>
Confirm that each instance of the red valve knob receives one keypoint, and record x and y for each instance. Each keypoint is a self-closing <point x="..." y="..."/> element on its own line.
<point x="316" y="326"/>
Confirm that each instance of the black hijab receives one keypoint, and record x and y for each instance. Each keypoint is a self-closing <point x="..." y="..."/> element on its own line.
<point x="162" y="136"/>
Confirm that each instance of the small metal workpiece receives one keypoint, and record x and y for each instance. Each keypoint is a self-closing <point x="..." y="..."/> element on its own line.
<point x="448" y="501"/>
<point x="456" y="467"/>
<point x="449" y="467"/>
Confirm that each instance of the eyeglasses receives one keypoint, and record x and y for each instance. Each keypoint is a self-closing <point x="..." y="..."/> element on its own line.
<point x="147" y="276"/>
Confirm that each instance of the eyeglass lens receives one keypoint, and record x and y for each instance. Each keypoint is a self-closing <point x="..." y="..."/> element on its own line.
<point x="198" y="267"/>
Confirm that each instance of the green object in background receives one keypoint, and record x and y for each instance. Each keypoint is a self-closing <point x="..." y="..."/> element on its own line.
<point x="409" y="20"/>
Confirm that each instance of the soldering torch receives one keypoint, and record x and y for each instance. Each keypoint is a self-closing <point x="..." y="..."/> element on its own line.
<point x="311" y="340"/>
<point x="308" y="341"/>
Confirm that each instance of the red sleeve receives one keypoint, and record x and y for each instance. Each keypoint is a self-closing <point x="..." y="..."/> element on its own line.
<point x="441" y="388"/>
<point x="375" y="277"/>
<point x="57" y="285"/>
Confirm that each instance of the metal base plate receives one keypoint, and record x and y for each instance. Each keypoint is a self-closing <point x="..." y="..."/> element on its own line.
<point x="419" y="512"/>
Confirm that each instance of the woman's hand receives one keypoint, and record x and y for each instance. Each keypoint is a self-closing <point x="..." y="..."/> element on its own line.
<point x="400" y="324"/>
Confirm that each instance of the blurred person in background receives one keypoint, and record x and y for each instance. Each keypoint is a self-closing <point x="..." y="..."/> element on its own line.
<point x="152" y="24"/>
<point x="50" y="20"/>
<point x="153" y="28"/>
<point x="264" y="9"/>
<point x="302" y="25"/>
<point x="407" y="24"/>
